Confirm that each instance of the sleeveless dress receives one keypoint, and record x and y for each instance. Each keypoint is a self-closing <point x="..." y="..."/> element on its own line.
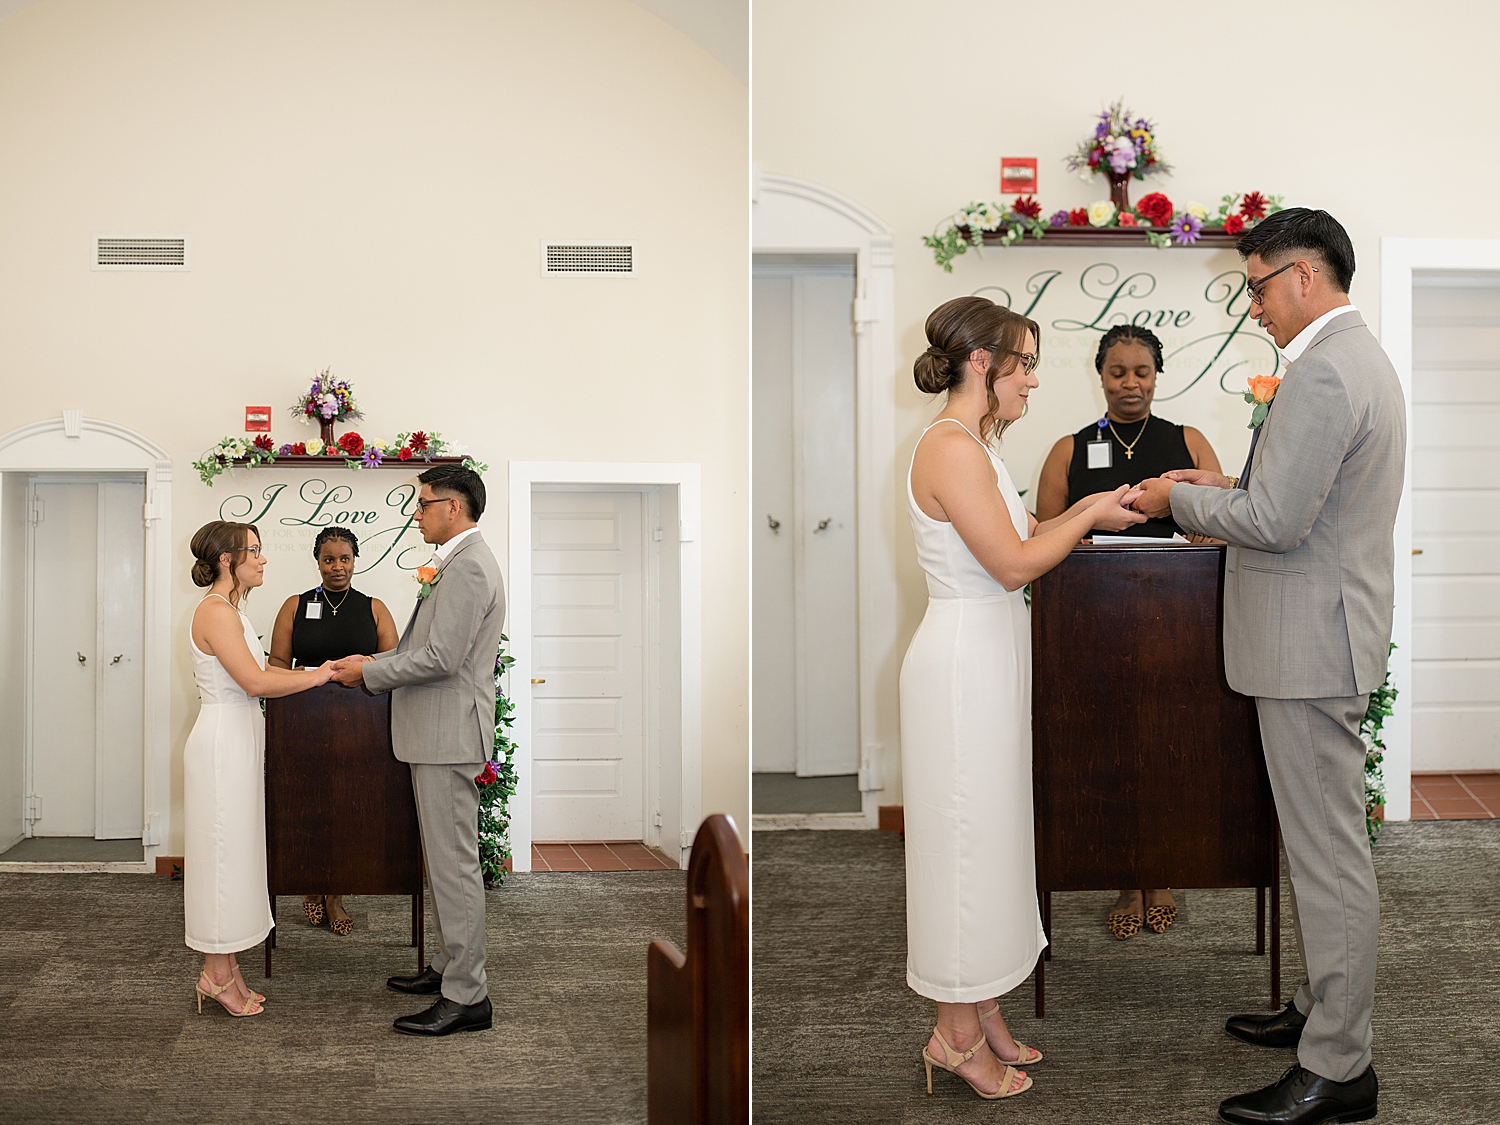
<point x="1157" y="446"/>
<point x="226" y="904"/>
<point x="334" y="635"/>
<point x="973" y="929"/>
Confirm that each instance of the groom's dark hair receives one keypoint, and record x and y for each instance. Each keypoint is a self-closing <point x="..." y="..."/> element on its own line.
<point x="455" y="480"/>
<point x="1302" y="229"/>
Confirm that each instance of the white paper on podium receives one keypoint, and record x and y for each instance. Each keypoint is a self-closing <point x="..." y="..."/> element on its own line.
<point x="1126" y="540"/>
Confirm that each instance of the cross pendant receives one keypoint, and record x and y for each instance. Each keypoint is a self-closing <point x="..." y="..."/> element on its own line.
<point x="1129" y="454"/>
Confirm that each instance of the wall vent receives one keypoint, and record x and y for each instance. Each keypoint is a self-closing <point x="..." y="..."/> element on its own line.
<point x="588" y="259"/>
<point x="141" y="252"/>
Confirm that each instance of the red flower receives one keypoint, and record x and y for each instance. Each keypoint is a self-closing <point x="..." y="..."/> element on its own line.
<point x="1156" y="207"/>
<point x="1127" y="219"/>
<point x="489" y="776"/>
<point x="1253" y="206"/>
<point x="352" y="444"/>
<point x="263" y="441"/>
<point x="405" y="453"/>
<point x="1078" y="217"/>
<point x="1027" y="206"/>
<point x="418" y="441"/>
<point x="1234" y="224"/>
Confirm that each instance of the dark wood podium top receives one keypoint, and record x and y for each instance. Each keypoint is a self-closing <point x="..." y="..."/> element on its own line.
<point x="1147" y="766"/>
<point x="340" y="815"/>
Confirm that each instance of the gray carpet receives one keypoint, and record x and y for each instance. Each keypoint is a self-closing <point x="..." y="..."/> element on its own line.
<point x="98" y="1022"/>
<point x="788" y="793"/>
<point x="1134" y="1029"/>
<point x="74" y="849"/>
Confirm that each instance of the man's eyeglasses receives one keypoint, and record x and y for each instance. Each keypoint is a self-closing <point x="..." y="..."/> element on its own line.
<point x="1256" y="288"/>
<point x="422" y="504"/>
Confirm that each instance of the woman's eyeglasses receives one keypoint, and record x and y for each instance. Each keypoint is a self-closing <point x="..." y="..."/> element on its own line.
<point x="254" y="551"/>
<point x="1028" y="361"/>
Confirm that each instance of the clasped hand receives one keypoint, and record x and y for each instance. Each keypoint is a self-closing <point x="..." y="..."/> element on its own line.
<point x="1154" y="497"/>
<point x="350" y="671"/>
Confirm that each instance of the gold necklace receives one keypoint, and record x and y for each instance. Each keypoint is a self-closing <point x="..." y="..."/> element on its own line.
<point x="1129" y="449"/>
<point x="340" y="606"/>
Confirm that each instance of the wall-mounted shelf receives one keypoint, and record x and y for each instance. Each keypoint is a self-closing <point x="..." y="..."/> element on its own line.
<point x="1112" y="236"/>
<point x="415" y="465"/>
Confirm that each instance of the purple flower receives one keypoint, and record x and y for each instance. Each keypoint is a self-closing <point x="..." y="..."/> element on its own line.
<point x="1185" y="228"/>
<point x="284" y="451"/>
<point x="371" y="457"/>
<point x="1059" y="218"/>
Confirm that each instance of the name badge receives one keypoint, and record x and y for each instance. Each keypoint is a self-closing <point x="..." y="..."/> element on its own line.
<point x="1099" y="457"/>
<point x="314" y="611"/>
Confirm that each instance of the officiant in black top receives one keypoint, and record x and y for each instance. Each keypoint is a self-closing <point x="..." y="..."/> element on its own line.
<point x="1129" y="444"/>
<point x="329" y="622"/>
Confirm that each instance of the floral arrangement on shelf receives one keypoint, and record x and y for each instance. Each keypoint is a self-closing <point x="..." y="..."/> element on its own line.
<point x="351" y="447"/>
<point x="497" y="782"/>
<point x="1382" y="702"/>
<point x="328" y="400"/>
<point x="1120" y="148"/>
<point x="1154" y="215"/>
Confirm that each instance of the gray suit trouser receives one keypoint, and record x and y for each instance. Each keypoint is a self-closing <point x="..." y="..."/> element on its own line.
<point x="448" y="813"/>
<point x="1316" y="761"/>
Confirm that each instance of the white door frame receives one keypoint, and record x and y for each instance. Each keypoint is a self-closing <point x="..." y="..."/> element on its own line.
<point x="524" y="475"/>
<point x="1400" y="259"/>
<point x="797" y="217"/>
<point x="75" y="444"/>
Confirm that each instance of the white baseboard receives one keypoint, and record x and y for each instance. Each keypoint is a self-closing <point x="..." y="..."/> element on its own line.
<point x="80" y="868"/>
<point x="782" y="822"/>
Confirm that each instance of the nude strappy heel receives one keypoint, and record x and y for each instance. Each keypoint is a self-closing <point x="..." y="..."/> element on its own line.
<point x="251" y="1007"/>
<point x="956" y="1059"/>
<point x="1021" y="1058"/>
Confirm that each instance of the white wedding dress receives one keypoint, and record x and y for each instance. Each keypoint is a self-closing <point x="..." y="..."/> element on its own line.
<point x="973" y="929"/>
<point x="225" y="901"/>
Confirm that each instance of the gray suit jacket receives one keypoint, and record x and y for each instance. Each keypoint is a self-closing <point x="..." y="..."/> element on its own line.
<point x="442" y="674"/>
<point x="1309" y="584"/>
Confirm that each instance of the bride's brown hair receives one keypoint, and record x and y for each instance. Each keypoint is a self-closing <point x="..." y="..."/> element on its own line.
<point x="960" y="326"/>
<point x="214" y="539"/>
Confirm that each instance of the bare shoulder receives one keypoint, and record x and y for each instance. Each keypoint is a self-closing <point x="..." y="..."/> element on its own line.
<point x="952" y="446"/>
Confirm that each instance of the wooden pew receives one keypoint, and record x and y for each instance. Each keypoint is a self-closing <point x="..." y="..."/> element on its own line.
<point x="698" y="1005"/>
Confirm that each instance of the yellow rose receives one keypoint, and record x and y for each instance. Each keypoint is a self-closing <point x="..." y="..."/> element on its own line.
<point x="1101" y="213"/>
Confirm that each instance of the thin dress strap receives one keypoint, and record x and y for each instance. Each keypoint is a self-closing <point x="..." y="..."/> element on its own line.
<point x="961" y="426"/>
<point x="226" y="601"/>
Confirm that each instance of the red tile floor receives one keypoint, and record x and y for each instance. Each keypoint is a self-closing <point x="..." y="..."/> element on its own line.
<point x="620" y="856"/>
<point x="1455" y="796"/>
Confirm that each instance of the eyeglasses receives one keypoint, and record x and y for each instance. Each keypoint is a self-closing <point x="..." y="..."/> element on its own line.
<point x="254" y="551"/>
<point x="1028" y="361"/>
<point x="1256" y="288"/>
<point x="422" y="504"/>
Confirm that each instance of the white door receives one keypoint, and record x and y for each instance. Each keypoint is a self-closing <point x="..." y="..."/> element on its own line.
<point x="1456" y="523"/>
<point x="87" y="568"/>
<point x="589" y="587"/>
<point x="805" y="598"/>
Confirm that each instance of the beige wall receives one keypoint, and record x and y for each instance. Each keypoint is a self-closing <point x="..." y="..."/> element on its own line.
<point x="907" y="108"/>
<point x="366" y="184"/>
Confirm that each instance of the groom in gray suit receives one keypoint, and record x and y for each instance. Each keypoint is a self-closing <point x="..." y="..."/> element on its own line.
<point x="1309" y="588"/>
<point x="441" y="677"/>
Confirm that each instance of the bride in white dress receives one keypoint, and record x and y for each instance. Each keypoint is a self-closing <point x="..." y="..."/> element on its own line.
<point x="226" y="904"/>
<point x="973" y="928"/>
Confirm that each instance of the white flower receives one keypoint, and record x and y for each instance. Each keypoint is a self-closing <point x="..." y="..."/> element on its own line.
<point x="380" y="445"/>
<point x="458" y="449"/>
<point x="1086" y="175"/>
<point x="1196" y="210"/>
<point x="314" y="447"/>
<point x="1101" y="212"/>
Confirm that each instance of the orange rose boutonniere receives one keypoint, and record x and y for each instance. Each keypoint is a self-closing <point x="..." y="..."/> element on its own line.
<point x="1262" y="391"/>
<point x="428" y="577"/>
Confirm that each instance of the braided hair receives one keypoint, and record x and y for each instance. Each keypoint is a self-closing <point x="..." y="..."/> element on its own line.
<point x="335" y="534"/>
<point x="1121" y="333"/>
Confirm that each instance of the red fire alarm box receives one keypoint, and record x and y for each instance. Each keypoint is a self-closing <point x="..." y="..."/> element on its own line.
<point x="257" y="419"/>
<point x="1018" y="175"/>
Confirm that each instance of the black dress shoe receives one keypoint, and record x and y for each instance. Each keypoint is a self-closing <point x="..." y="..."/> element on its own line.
<point x="1284" y="1029"/>
<point x="1304" y="1098"/>
<point x="429" y="982"/>
<point x="447" y="1016"/>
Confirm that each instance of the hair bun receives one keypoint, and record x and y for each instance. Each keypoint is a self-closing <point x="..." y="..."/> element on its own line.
<point x="203" y="573"/>
<point x="933" y="372"/>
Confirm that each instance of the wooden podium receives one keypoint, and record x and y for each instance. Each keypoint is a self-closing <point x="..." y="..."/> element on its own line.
<point x="340" y="814"/>
<point x="1147" y="769"/>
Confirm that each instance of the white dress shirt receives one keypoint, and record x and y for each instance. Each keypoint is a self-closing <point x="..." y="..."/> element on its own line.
<point x="1293" y="351"/>
<point x="441" y="553"/>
